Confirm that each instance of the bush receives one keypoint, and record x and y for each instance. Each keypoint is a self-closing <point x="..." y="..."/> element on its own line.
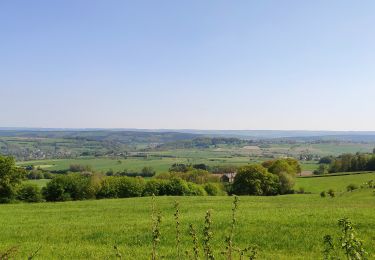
<point x="323" y="194"/>
<point x="196" y="190"/>
<point x="201" y="166"/>
<point x="148" y="172"/>
<point x="301" y="190"/>
<point x="121" y="187"/>
<point x="108" y="188"/>
<point x="286" y="182"/>
<point x="180" y="167"/>
<point x="130" y="187"/>
<point x="177" y="187"/>
<point x="323" y="169"/>
<point x="156" y="187"/>
<point x="48" y="175"/>
<point x="80" y="168"/>
<point x="35" y="175"/>
<point x="351" y="187"/>
<point x="70" y="187"/>
<point x="29" y="193"/>
<point x="196" y="175"/>
<point x="214" y="189"/>
<point x="331" y="193"/>
<point x="370" y="184"/>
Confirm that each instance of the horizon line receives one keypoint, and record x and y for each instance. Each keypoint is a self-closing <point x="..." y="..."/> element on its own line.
<point x="172" y="129"/>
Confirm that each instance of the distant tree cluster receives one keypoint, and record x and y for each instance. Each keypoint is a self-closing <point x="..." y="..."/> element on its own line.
<point x="80" y="168"/>
<point x="270" y="178"/>
<point x="218" y="169"/>
<point x="202" y="142"/>
<point x="194" y="175"/>
<point x="347" y="163"/>
<point x="145" y="172"/>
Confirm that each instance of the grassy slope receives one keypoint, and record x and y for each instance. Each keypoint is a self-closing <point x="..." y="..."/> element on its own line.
<point x="338" y="183"/>
<point x="285" y="227"/>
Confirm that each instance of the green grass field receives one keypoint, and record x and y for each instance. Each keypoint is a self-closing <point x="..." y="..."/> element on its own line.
<point x="338" y="183"/>
<point x="133" y="164"/>
<point x="284" y="227"/>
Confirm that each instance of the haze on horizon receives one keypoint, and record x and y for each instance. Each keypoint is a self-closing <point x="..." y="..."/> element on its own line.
<point x="284" y="65"/>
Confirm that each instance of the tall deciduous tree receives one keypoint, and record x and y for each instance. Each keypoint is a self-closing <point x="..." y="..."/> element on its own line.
<point x="10" y="177"/>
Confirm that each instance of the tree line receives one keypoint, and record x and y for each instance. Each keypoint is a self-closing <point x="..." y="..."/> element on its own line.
<point x="269" y="178"/>
<point x="346" y="163"/>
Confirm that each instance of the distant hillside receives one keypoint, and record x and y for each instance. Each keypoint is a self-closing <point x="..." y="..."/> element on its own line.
<point x="180" y="134"/>
<point x="271" y="134"/>
<point x="125" y="137"/>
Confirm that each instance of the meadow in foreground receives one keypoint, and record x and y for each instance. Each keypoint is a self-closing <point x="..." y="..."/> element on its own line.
<point x="283" y="227"/>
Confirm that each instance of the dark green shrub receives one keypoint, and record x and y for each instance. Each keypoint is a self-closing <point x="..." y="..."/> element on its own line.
<point x="130" y="187"/>
<point x="109" y="188"/>
<point x="177" y="187"/>
<point x="35" y="175"/>
<point x="80" y="168"/>
<point x="301" y="190"/>
<point x="70" y="187"/>
<point x="148" y="172"/>
<point x="47" y="175"/>
<point x="156" y="187"/>
<point x="351" y="187"/>
<point x="323" y="194"/>
<point x="369" y="184"/>
<point x="29" y="193"/>
<point x="121" y="187"/>
<point x="331" y="193"/>
<point x="180" y="167"/>
<point x="54" y="190"/>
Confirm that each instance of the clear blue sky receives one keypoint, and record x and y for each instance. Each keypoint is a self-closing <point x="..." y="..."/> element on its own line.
<point x="188" y="64"/>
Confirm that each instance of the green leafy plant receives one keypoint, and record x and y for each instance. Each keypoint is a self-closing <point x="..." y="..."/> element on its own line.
<point x="156" y="234"/>
<point x="229" y="238"/>
<point x="117" y="251"/>
<point x="207" y="236"/>
<point x="348" y="243"/>
<point x="33" y="254"/>
<point x="178" y="231"/>
<point x="193" y="234"/>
